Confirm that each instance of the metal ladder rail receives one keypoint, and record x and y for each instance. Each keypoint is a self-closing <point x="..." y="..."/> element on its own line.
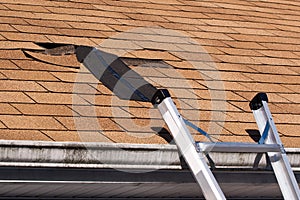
<point x="188" y="148"/>
<point x="279" y="160"/>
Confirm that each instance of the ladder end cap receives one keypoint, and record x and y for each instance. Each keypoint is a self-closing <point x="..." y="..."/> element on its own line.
<point x="256" y="102"/>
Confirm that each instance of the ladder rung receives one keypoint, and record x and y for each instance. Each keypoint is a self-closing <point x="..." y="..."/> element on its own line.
<point x="237" y="147"/>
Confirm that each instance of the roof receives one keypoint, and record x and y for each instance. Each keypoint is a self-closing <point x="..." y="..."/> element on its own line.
<point x="213" y="56"/>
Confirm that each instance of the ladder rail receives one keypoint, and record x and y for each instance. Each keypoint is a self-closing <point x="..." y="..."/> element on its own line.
<point x="279" y="160"/>
<point x="187" y="147"/>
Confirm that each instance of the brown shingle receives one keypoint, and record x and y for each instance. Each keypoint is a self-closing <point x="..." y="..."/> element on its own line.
<point x="48" y="23"/>
<point x="45" y="110"/>
<point x="88" y="124"/>
<point x="6" y="108"/>
<point x="90" y="26"/>
<point x="29" y="8"/>
<point x="139" y="125"/>
<point x="103" y="111"/>
<point x="53" y="98"/>
<point x="245" y="45"/>
<point x="7" y="27"/>
<point x="18" y="45"/>
<point x="14" y="97"/>
<point x="211" y="35"/>
<point x="63" y="61"/>
<point x="28" y="75"/>
<point x="12" y="85"/>
<point x="40" y="66"/>
<point x="68" y="87"/>
<point x="12" y="54"/>
<point x="76" y="136"/>
<point x="31" y="122"/>
<point x="14" y="20"/>
<point x="24" y="37"/>
<point x="6" y="134"/>
<point x="133" y="137"/>
<point x="70" y="40"/>
<point x="146" y="54"/>
<point x="35" y="29"/>
<point x="80" y="32"/>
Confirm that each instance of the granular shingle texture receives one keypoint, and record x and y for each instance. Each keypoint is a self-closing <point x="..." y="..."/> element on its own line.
<point x="213" y="56"/>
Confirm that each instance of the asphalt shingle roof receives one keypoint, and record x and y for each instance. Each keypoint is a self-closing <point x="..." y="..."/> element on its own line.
<point x="253" y="47"/>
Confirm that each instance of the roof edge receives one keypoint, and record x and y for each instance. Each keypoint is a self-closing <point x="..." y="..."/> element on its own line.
<point x="116" y="155"/>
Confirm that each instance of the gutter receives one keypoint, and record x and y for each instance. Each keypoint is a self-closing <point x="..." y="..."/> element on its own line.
<point x="117" y="156"/>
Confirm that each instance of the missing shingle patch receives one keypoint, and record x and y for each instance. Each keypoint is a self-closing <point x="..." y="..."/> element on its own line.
<point x="145" y="62"/>
<point x="56" y="49"/>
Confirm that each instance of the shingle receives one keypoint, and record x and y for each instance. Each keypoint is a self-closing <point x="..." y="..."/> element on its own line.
<point x="103" y="111"/>
<point x="286" y="119"/>
<point x="14" y="97"/>
<point x="40" y="66"/>
<point x="7" y="27"/>
<point x="291" y="141"/>
<point x="29" y="8"/>
<point x="211" y="35"/>
<point x="14" y="20"/>
<point x="291" y="97"/>
<point x="287" y="130"/>
<point x="28" y="75"/>
<point x="70" y="40"/>
<point x="53" y="98"/>
<point x="6" y="108"/>
<point x="146" y="54"/>
<point x="89" y="124"/>
<point x="80" y="32"/>
<point x="239" y="59"/>
<point x="18" y="45"/>
<point x="273" y="61"/>
<point x="108" y="100"/>
<point x="48" y="23"/>
<point x="43" y="110"/>
<point x="68" y="87"/>
<point x="63" y="61"/>
<point x="12" y="54"/>
<point x="139" y="125"/>
<point x="146" y="17"/>
<point x="242" y="52"/>
<point x="7" y="64"/>
<point x="25" y="37"/>
<point x="6" y="134"/>
<point x="144" y="113"/>
<point x="23" y="85"/>
<point x="35" y="29"/>
<point x="137" y="138"/>
<point x="90" y="26"/>
<point x="76" y="136"/>
<point x="11" y="13"/>
<point x="31" y="122"/>
<point x="266" y="87"/>
<point x="240" y="128"/>
<point x="273" y="69"/>
<point x="245" y="44"/>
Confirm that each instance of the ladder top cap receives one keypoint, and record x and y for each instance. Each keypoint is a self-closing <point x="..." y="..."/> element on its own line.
<point x="256" y="102"/>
